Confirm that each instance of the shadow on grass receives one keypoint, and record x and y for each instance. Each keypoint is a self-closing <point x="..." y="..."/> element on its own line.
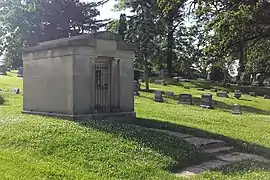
<point x="244" y="167"/>
<point x="177" y="149"/>
<point x="239" y="144"/>
<point x="183" y="154"/>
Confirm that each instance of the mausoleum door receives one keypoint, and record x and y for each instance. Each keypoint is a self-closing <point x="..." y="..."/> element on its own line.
<point x="103" y="85"/>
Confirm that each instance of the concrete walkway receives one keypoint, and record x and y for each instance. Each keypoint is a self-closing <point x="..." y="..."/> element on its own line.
<point x="225" y="155"/>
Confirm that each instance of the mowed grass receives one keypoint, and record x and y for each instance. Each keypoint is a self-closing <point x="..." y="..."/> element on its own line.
<point x="34" y="147"/>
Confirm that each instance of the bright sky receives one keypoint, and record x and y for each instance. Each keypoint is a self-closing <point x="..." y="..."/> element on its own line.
<point x="106" y="11"/>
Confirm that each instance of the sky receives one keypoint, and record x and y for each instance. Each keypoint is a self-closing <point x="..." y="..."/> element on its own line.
<point x="106" y="11"/>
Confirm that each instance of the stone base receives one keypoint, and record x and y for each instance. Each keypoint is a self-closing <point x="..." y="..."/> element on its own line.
<point x="102" y="116"/>
<point x="185" y="103"/>
<point x="207" y="107"/>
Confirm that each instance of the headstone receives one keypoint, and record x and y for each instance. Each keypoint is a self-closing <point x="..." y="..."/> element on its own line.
<point x="213" y="90"/>
<point x="200" y="89"/>
<point x="186" y="87"/>
<point x="252" y="94"/>
<point x="185" y="99"/>
<point x="266" y="97"/>
<point x="164" y="73"/>
<point x="209" y="76"/>
<point x="158" y="96"/>
<point x="158" y="81"/>
<point x="222" y="94"/>
<point x="169" y="94"/>
<point x="16" y="91"/>
<point x="136" y="88"/>
<point x="20" y="72"/>
<point x="237" y="94"/>
<point x="236" y="109"/>
<point x="3" y="70"/>
<point x="207" y="101"/>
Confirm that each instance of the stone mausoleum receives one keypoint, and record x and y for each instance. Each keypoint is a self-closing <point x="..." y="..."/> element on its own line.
<point x="82" y="77"/>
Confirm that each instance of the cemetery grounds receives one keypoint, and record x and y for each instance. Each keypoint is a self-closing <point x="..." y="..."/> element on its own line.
<point x="35" y="147"/>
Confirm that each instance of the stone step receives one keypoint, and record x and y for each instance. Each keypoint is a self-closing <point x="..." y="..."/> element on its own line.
<point x="219" y="149"/>
<point x="204" y="142"/>
<point x="176" y="134"/>
<point x="197" y="169"/>
<point x="239" y="156"/>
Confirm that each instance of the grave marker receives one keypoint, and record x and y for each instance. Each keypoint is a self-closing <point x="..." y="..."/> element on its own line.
<point x="185" y="99"/>
<point x="200" y="89"/>
<point x="236" y="109"/>
<point x="266" y="97"/>
<point x="136" y="88"/>
<point x="222" y="94"/>
<point x="20" y="72"/>
<point x="158" y="81"/>
<point x="16" y="91"/>
<point x="158" y="96"/>
<point x="169" y="94"/>
<point x="207" y="101"/>
<point x="252" y="94"/>
<point x="237" y="94"/>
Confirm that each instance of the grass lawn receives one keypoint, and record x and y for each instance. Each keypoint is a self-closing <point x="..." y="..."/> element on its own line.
<point x="34" y="147"/>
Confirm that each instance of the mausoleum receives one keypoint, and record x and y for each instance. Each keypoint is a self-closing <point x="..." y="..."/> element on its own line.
<point x="82" y="77"/>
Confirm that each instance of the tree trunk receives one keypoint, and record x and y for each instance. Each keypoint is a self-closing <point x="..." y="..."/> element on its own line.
<point x="170" y="42"/>
<point x="241" y="62"/>
<point x="146" y="74"/>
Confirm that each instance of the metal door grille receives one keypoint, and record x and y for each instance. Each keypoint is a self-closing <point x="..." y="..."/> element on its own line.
<point x="102" y="87"/>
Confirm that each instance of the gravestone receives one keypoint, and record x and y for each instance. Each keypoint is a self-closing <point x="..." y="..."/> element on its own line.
<point x="136" y="88"/>
<point x="237" y="94"/>
<point x="200" y="89"/>
<point x="185" y="99"/>
<point x="3" y="69"/>
<point x="158" y="81"/>
<point x="16" y="91"/>
<point x="169" y="94"/>
<point x="20" y="72"/>
<point x="252" y="94"/>
<point x="207" y="101"/>
<point x="164" y="73"/>
<point x="158" y="96"/>
<point x="266" y="97"/>
<point x="236" y="109"/>
<point x="222" y="94"/>
<point x="213" y="90"/>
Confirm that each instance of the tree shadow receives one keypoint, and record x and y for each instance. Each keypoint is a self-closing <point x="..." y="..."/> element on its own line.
<point x="144" y="133"/>
<point x="244" y="167"/>
<point x="237" y="143"/>
<point x="177" y="149"/>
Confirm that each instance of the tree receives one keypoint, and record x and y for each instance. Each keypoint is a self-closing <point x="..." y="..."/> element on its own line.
<point x="122" y="28"/>
<point x="41" y="20"/>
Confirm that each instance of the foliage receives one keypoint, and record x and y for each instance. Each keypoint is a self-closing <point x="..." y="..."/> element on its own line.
<point x="28" y="22"/>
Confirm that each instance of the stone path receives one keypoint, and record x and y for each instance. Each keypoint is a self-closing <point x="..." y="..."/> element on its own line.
<point x="225" y="155"/>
